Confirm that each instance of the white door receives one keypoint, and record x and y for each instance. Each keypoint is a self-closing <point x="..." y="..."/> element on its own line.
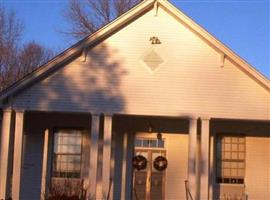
<point x="148" y="184"/>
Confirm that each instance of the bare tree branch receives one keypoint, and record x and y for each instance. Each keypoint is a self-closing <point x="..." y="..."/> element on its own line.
<point x="17" y="60"/>
<point x="85" y="17"/>
<point x="31" y="56"/>
<point x="122" y="6"/>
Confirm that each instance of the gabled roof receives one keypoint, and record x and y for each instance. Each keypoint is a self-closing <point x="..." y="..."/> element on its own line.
<point x="136" y="11"/>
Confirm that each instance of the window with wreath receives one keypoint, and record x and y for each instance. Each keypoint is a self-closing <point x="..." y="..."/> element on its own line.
<point x="230" y="159"/>
<point x="67" y="153"/>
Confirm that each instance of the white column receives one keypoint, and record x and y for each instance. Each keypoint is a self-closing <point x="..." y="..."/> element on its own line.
<point x="211" y="168"/>
<point x="204" y="192"/>
<point x="112" y="163"/>
<point x="124" y="166"/>
<point x="129" y="167"/>
<point x="106" y="164"/>
<point x="192" y="157"/>
<point x="44" y="164"/>
<point x="5" y="153"/>
<point x="93" y="157"/>
<point x="17" y="158"/>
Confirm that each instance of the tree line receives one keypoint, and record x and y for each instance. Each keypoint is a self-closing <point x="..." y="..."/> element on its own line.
<point x="17" y="59"/>
<point x="84" y="17"/>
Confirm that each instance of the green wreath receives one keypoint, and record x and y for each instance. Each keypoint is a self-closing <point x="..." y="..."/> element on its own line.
<point x="160" y="163"/>
<point x="139" y="162"/>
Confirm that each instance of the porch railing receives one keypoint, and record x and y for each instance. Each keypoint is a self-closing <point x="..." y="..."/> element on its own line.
<point x="188" y="194"/>
<point x="109" y="190"/>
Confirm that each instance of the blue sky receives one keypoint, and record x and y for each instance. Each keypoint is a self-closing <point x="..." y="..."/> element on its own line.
<point x="243" y="25"/>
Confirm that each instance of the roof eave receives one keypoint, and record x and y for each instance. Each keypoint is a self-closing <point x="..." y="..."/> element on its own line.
<point x="77" y="48"/>
<point x="243" y="65"/>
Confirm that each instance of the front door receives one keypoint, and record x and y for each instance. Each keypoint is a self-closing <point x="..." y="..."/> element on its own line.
<point x="148" y="184"/>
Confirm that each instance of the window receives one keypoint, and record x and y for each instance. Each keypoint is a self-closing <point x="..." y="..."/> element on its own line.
<point x="231" y="159"/>
<point x="149" y="143"/>
<point x="67" y="154"/>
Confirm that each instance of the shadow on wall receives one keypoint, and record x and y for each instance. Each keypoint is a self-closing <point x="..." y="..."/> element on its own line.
<point x="91" y="85"/>
<point x="84" y="84"/>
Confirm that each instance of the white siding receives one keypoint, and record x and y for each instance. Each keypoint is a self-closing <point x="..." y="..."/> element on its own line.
<point x="114" y="78"/>
<point x="176" y="173"/>
<point x="258" y="168"/>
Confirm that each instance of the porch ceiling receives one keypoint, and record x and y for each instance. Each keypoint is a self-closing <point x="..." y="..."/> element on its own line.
<point x="247" y="127"/>
<point x="157" y="123"/>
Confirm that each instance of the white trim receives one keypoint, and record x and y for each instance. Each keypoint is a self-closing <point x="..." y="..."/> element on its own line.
<point x="5" y="152"/>
<point x="204" y="161"/>
<point x="192" y="149"/>
<point x="124" y="166"/>
<point x="222" y="59"/>
<point x="106" y="164"/>
<point x="212" y="167"/>
<point x="44" y="164"/>
<point x="93" y="157"/>
<point x="18" y="154"/>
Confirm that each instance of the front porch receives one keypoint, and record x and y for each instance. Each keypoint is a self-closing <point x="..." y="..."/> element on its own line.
<point x="109" y="142"/>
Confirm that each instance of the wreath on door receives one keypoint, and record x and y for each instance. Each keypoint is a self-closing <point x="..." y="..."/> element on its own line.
<point x="160" y="163"/>
<point x="139" y="162"/>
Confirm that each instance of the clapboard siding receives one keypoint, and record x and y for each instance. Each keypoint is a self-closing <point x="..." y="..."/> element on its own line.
<point x="258" y="168"/>
<point x="176" y="173"/>
<point x="115" y="79"/>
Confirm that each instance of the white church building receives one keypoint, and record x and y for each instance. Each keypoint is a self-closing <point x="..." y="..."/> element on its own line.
<point x="149" y="107"/>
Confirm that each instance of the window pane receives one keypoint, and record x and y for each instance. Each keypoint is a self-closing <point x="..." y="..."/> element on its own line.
<point x="161" y="143"/>
<point x="234" y="165"/>
<point x="227" y="147"/>
<point x="226" y="164"/>
<point x="227" y="140"/>
<point x="153" y="143"/>
<point x="241" y="156"/>
<point x="241" y="147"/>
<point x="241" y="140"/>
<point x="226" y="172"/>
<point x="241" y="165"/>
<point x="137" y="143"/>
<point x="234" y="147"/>
<point x="227" y="155"/>
<point x="241" y="172"/>
<point x="234" y="155"/>
<point x="63" y="149"/>
<point x="145" y="143"/>
<point x="233" y="172"/>
<point x="235" y="140"/>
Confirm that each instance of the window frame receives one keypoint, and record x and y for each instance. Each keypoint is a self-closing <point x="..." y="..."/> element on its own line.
<point x="232" y="180"/>
<point x="53" y="154"/>
<point x="148" y="140"/>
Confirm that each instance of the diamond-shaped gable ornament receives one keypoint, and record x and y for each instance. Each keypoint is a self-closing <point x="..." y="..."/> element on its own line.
<point x="152" y="60"/>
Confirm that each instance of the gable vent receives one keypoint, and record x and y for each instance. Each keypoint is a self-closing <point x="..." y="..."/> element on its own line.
<point x="153" y="60"/>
